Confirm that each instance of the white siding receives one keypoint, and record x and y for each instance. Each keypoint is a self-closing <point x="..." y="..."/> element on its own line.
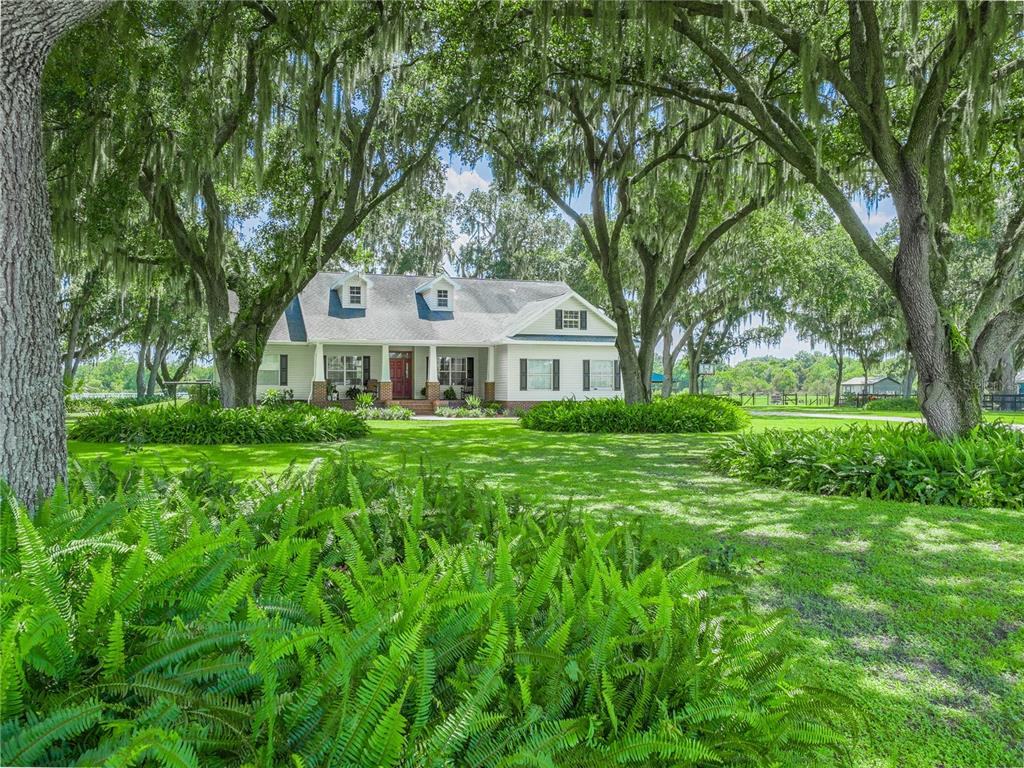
<point x="300" y="369"/>
<point x="500" y="372"/>
<point x="570" y="357"/>
<point x="546" y="322"/>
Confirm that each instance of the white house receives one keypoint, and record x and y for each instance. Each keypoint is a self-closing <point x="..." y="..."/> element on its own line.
<point x="875" y="385"/>
<point x="409" y="338"/>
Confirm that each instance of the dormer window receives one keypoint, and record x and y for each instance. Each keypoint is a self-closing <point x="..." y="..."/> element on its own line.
<point x="442" y="297"/>
<point x="355" y="295"/>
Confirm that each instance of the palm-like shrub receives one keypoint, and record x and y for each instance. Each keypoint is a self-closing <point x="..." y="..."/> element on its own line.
<point x="342" y="618"/>
<point x="679" y="413"/>
<point x="896" y="462"/>
<point x="195" y="425"/>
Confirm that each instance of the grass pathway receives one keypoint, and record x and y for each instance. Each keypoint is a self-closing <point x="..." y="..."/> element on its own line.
<point x="916" y="611"/>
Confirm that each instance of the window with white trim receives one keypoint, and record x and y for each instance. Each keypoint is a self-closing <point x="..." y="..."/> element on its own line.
<point x="355" y="294"/>
<point x="452" y="371"/>
<point x="540" y="374"/>
<point x="270" y="370"/>
<point x="571" y="318"/>
<point x="602" y="374"/>
<point x="442" y="297"/>
<point x="345" y="369"/>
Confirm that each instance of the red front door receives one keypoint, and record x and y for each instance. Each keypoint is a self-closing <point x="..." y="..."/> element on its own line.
<point x="401" y="375"/>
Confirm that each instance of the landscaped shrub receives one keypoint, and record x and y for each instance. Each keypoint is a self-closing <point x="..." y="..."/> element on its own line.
<point x="390" y="413"/>
<point x="898" y="462"/>
<point x="893" y="404"/>
<point x="343" y="618"/>
<point x="194" y="425"/>
<point x="475" y="408"/>
<point x="275" y="398"/>
<point x="204" y="394"/>
<point x="679" y="413"/>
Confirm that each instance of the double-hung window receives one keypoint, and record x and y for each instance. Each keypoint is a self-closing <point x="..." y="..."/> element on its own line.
<point x="355" y="294"/>
<point x="602" y="374"/>
<point x="273" y="370"/>
<point x="540" y="374"/>
<point x="452" y="371"/>
<point x="345" y="369"/>
<point x="571" y="319"/>
<point x="442" y="297"/>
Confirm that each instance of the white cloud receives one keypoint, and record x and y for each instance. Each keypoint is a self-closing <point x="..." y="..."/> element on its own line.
<point x="463" y="182"/>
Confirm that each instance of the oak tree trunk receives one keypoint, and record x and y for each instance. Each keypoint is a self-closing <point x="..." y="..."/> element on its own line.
<point x="237" y="374"/>
<point x="838" y="396"/>
<point x="949" y="381"/>
<point x="33" y="451"/>
<point x="668" y="363"/>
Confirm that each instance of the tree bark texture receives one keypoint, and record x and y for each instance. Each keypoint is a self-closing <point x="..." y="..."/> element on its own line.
<point x="33" y="450"/>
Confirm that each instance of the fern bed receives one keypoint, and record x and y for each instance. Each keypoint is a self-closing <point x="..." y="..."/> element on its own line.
<point x="340" y="617"/>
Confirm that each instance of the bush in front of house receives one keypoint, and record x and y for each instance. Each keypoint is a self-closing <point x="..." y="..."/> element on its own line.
<point x="342" y="617"/>
<point x="198" y="425"/>
<point x="475" y="408"/>
<point x="893" y="404"/>
<point x="388" y="413"/>
<point x="679" y="413"/>
<point x="902" y="462"/>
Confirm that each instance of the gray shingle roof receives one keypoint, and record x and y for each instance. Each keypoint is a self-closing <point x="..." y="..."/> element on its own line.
<point x="858" y="381"/>
<point x="483" y="311"/>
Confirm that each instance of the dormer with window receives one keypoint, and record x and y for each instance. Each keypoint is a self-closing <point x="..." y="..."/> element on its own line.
<point x="438" y="294"/>
<point x="352" y="290"/>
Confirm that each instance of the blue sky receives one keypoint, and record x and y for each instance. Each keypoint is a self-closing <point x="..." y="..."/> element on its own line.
<point x="463" y="179"/>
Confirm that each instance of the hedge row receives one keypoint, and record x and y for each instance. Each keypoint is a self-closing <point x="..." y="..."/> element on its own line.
<point x="897" y="462"/>
<point x="679" y="413"/>
<point x="203" y="425"/>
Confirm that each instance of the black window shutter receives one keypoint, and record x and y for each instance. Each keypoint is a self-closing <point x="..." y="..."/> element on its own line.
<point x="586" y="374"/>
<point x="366" y="370"/>
<point x="469" y="371"/>
<point x="283" y="374"/>
<point x="522" y="374"/>
<point x="558" y="318"/>
<point x="325" y="368"/>
<point x="583" y="319"/>
<point x="554" y="375"/>
<point x="618" y="376"/>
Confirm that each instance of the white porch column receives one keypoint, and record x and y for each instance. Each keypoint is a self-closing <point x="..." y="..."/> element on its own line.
<point x="384" y="390"/>
<point x="431" y="385"/>
<point x="319" y="374"/>
<point x="318" y="387"/>
<point x="489" y="375"/>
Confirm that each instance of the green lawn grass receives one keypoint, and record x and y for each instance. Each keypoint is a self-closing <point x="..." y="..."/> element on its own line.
<point x="917" y="612"/>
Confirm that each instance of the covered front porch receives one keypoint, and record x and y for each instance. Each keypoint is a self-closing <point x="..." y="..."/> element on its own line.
<point x="395" y="372"/>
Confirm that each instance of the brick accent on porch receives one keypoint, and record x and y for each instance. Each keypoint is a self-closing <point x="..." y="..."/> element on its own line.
<point x="433" y="391"/>
<point x="319" y="393"/>
<point x="488" y="391"/>
<point x="384" y="391"/>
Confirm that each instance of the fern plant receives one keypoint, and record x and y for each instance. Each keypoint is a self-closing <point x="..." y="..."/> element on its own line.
<point x="339" y="617"/>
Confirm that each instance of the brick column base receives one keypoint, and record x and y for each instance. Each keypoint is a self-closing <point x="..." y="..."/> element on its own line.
<point x="319" y="393"/>
<point x="384" y="391"/>
<point x="433" y="391"/>
<point x="489" y="391"/>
